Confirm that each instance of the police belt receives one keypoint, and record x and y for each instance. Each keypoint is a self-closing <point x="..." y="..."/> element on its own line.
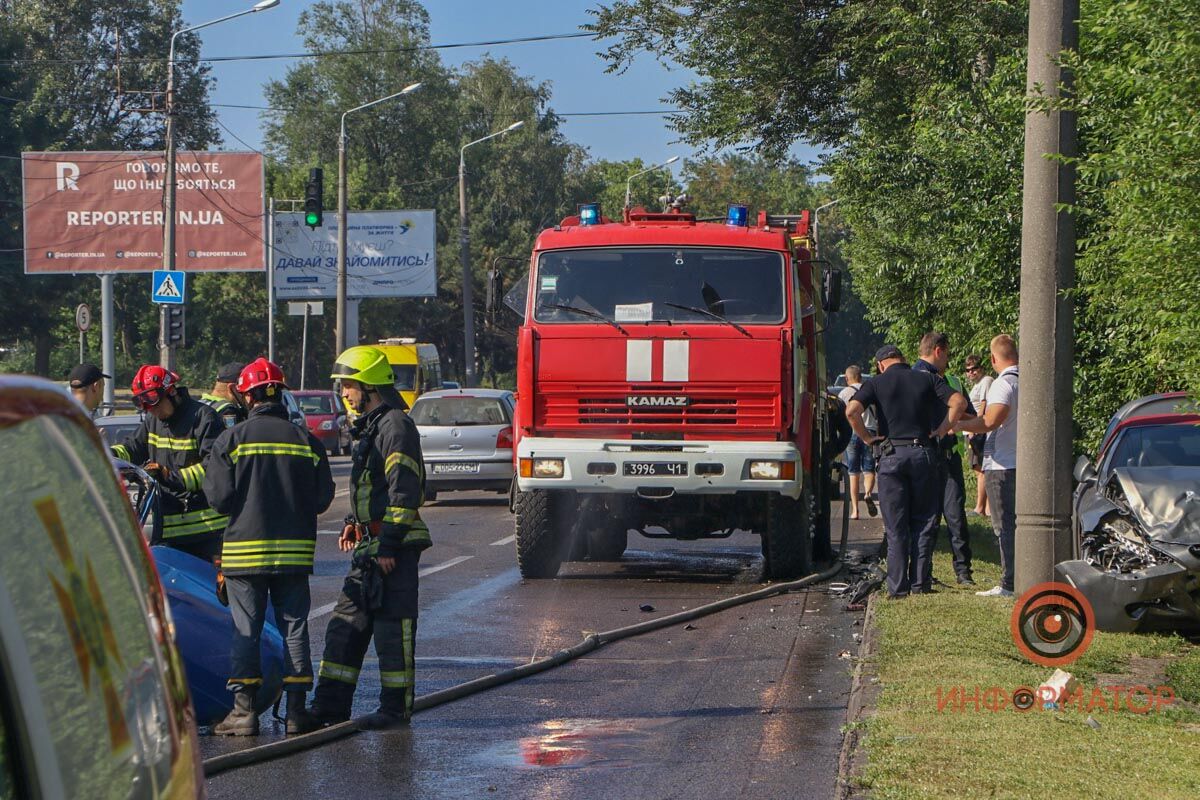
<point x="908" y="442"/>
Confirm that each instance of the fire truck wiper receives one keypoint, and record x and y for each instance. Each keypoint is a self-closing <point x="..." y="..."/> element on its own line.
<point x="708" y="313"/>
<point x="592" y="314"/>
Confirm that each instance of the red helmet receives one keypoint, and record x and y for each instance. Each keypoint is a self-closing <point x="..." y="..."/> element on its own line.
<point x="260" y="372"/>
<point x="151" y="384"/>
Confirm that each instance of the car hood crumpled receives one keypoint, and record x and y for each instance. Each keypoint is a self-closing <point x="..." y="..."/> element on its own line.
<point x="1165" y="501"/>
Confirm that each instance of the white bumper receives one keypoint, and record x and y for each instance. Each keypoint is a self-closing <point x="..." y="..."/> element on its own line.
<point x="733" y="457"/>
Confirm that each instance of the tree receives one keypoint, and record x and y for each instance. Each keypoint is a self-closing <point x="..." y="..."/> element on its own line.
<point x="59" y="77"/>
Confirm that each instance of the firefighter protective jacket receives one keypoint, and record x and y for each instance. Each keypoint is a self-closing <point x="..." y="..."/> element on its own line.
<point x="272" y="479"/>
<point x="230" y="413"/>
<point x="180" y="443"/>
<point x="387" y="481"/>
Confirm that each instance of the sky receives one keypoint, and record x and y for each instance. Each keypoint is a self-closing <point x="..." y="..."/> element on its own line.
<point x="576" y="74"/>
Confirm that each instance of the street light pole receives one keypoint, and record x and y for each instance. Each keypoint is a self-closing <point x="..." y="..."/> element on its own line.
<point x="817" y="222"/>
<point x="629" y="180"/>
<point x="166" y="352"/>
<point x="464" y="257"/>
<point x="339" y="330"/>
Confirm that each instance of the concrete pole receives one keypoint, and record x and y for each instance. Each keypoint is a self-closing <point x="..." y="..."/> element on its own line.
<point x="304" y="345"/>
<point x="339" y="330"/>
<point x="1047" y="318"/>
<point x="271" y="279"/>
<point x="468" y="287"/>
<point x="352" y="321"/>
<point x="107" y="346"/>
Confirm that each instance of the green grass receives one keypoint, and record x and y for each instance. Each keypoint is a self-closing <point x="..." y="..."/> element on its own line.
<point x="954" y="638"/>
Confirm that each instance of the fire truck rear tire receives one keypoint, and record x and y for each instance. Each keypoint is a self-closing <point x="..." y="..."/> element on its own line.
<point x="787" y="540"/>
<point x="539" y="548"/>
<point x="606" y="542"/>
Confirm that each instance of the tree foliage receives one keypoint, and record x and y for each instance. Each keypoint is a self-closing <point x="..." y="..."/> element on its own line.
<point x="923" y="106"/>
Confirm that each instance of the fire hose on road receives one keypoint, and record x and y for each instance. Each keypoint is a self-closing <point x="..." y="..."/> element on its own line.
<point x="256" y="755"/>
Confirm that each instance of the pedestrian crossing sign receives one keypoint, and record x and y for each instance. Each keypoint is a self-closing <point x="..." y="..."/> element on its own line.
<point x="168" y="286"/>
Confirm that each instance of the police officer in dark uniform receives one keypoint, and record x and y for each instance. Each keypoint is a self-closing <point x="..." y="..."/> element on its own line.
<point x="387" y="535"/>
<point x="935" y="357"/>
<point x="913" y="410"/>
<point x="222" y="397"/>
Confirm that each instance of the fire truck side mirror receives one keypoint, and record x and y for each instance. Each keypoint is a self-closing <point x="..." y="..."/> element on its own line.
<point x="832" y="300"/>
<point x="495" y="291"/>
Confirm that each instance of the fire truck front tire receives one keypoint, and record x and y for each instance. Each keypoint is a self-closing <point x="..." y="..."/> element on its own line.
<point x="539" y="545"/>
<point x="787" y="540"/>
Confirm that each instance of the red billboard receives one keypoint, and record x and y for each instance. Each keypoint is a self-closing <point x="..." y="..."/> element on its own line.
<point x="103" y="212"/>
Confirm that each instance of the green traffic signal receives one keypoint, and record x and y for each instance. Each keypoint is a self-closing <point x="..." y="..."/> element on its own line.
<point x="312" y="219"/>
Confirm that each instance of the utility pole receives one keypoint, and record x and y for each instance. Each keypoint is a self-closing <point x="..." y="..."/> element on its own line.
<point x="166" y="353"/>
<point x="1047" y="318"/>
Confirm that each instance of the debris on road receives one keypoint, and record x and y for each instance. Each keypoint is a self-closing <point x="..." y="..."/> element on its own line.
<point x="645" y="607"/>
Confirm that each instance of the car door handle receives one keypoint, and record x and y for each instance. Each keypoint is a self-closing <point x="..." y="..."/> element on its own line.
<point x="456" y="447"/>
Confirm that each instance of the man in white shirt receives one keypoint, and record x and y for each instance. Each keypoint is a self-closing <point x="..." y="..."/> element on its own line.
<point x="860" y="459"/>
<point x="999" y="422"/>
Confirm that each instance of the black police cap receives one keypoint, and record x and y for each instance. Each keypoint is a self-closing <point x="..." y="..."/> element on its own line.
<point x="888" y="351"/>
<point x="85" y="375"/>
<point x="230" y="372"/>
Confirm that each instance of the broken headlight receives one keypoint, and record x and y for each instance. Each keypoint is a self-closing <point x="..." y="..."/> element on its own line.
<point x="1118" y="545"/>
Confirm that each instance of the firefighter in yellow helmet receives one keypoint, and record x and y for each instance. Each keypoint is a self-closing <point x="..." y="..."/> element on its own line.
<point x="386" y="535"/>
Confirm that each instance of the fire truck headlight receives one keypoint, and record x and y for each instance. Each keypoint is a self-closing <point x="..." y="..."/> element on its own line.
<point x="772" y="470"/>
<point x="544" y="467"/>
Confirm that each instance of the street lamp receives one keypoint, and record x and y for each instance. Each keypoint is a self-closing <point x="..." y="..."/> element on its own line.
<point x="166" y="353"/>
<point x="817" y="222"/>
<point x="339" y="333"/>
<point x="464" y="256"/>
<point x="629" y="180"/>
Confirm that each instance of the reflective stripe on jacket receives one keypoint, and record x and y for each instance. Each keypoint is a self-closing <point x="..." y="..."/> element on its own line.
<point x="388" y="479"/>
<point x="182" y="444"/>
<point x="273" y="479"/>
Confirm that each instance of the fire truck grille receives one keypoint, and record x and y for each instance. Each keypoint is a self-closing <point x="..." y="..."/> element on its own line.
<point x="615" y="409"/>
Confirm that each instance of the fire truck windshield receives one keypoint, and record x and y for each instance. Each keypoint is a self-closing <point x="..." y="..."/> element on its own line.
<point x="660" y="284"/>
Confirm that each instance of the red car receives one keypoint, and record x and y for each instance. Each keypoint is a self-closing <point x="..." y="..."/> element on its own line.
<point x="327" y="419"/>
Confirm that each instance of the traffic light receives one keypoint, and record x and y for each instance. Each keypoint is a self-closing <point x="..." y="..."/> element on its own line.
<point x="314" y="192"/>
<point x="175" y="326"/>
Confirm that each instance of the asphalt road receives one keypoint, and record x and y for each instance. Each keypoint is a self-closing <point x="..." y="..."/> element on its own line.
<point x="747" y="703"/>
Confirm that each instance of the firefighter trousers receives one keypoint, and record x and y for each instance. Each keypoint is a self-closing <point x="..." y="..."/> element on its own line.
<point x="351" y="627"/>
<point x="248" y="605"/>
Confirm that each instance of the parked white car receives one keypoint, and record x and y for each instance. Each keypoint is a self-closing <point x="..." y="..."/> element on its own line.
<point x="466" y="439"/>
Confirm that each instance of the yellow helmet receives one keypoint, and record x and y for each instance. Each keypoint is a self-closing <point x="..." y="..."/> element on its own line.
<point x="364" y="364"/>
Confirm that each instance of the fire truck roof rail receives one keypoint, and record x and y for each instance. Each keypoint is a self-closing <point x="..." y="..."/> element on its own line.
<point x="798" y="224"/>
<point x="640" y="214"/>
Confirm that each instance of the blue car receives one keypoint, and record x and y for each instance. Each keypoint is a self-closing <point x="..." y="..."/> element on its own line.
<point x="203" y="626"/>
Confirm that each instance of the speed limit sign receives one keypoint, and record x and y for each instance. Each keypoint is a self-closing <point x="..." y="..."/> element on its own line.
<point x="83" y="317"/>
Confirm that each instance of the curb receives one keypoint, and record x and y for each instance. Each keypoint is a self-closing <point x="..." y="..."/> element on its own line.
<point x="863" y="691"/>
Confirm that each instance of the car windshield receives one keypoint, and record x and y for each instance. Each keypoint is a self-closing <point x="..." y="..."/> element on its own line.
<point x="405" y="376"/>
<point x="459" y="411"/>
<point x="645" y="284"/>
<point x="1157" y="446"/>
<point x="315" y="403"/>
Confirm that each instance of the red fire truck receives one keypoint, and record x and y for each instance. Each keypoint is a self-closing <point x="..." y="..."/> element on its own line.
<point x="671" y="380"/>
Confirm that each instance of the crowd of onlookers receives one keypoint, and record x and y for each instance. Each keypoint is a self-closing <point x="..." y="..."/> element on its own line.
<point x="978" y="425"/>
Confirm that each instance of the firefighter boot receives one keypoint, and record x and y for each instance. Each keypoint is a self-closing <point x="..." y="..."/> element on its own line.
<point x="298" y="718"/>
<point x="331" y="703"/>
<point x="383" y="719"/>
<point x="242" y="720"/>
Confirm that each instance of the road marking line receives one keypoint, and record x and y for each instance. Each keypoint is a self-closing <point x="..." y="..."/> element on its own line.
<point x="504" y="541"/>
<point x="443" y="565"/>
<point x="342" y="493"/>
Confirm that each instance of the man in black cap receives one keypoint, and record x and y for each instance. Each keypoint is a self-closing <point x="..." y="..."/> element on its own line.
<point x="87" y="384"/>
<point x="913" y="409"/>
<point x="223" y="399"/>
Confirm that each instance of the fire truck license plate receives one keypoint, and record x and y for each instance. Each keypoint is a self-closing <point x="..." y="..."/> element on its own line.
<point x="654" y="469"/>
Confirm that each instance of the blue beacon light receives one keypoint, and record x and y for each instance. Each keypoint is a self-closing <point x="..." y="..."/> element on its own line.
<point x="589" y="214"/>
<point x="738" y="215"/>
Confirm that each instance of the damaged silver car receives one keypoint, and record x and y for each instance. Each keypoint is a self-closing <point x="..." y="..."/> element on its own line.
<point x="1137" y="519"/>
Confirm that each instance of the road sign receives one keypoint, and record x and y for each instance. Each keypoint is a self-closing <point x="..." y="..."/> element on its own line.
<point x="168" y="286"/>
<point x="315" y="309"/>
<point x="83" y="317"/>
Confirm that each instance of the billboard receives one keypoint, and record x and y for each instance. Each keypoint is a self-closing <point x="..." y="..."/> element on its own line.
<point x="103" y="211"/>
<point x="388" y="254"/>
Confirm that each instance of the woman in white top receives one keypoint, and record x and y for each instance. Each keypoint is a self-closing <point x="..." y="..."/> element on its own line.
<point x="980" y="383"/>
